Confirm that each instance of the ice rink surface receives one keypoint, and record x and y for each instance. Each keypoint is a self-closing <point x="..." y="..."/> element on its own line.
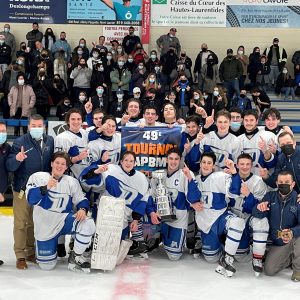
<point x="155" y="278"/>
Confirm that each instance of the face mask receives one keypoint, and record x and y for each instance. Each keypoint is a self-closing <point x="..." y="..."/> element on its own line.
<point x="196" y="97"/>
<point x="216" y="93"/>
<point x="109" y="57"/>
<point x="79" y="52"/>
<point x="130" y="60"/>
<point x="229" y="56"/>
<point x="82" y="45"/>
<point x="153" y="56"/>
<point x="235" y="126"/>
<point x="263" y="62"/>
<point x="81" y="98"/>
<point x="171" y="35"/>
<point x="62" y="39"/>
<point x="257" y="52"/>
<point x="205" y="97"/>
<point x="156" y="69"/>
<point x="21" y="82"/>
<point x="136" y="96"/>
<point x="284" y="189"/>
<point x="120" y="63"/>
<point x="23" y="47"/>
<point x="287" y="149"/>
<point x="56" y="80"/>
<point x="171" y="51"/>
<point x="36" y="133"/>
<point x="240" y="52"/>
<point x="119" y="50"/>
<point x="101" y="69"/>
<point x="183" y="55"/>
<point x="3" y="137"/>
<point x="6" y="29"/>
<point x="100" y="91"/>
<point x="82" y="65"/>
<point x="204" y="49"/>
<point x="66" y="103"/>
<point x="151" y="80"/>
<point x="113" y="51"/>
<point x="242" y="95"/>
<point x="1" y="42"/>
<point x="95" y="55"/>
<point x="119" y="96"/>
<point x="141" y="67"/>
<point x="20" y="62"/>
<point x="284" y="71"/>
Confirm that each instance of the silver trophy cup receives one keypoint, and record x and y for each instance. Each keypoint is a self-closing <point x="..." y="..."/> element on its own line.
<point x="162" y="198"/>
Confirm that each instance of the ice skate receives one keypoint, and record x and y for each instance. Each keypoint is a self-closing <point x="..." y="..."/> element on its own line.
<point x="197" y="249"/>
<point x="296" y="276"/>
<point x="61" y="251"/>
<point x="78" y="263"/>
<point x="138" y="247"/>
<point x="226" y="266"/>
<point x="257" y="266"/>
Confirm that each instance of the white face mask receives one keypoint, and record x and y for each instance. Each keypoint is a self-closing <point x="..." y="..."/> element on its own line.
<point x="141" y="67"/>
<point x="216" y="93"/>
<point x="130" y="60"/>
<point x="156" y="69"/>
<point x="151" y="80"/>
<point x="120" y="63"/>
<point x="240" y="52"/>
<point x="82" y="45"/>
<point x="120" y="96"/>
<point x="95" y="55"/>
<point x="21" y="81"/>
<point x="284" y="71"/>
<point x="196" y="97"/>
<point x="153" y="56"/>
<point x="81" y="98"/>
<point x="6" y="29"/>
<point x="119" y="50"/>
<point x="36" y="132"/>
<point x="109" y="57"/>
<point x="101" y="69"/>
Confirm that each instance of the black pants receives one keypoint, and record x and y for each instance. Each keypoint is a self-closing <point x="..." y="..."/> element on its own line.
<point x="18" y="115"/>
<point x="42" y="110"/>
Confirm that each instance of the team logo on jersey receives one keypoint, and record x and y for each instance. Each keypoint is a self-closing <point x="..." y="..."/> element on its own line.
<point x="293" y="209"/>
<point x="128" y="193"/>
<point x="174" y="244"/>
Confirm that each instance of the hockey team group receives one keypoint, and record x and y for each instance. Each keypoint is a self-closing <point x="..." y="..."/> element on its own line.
<point x="229" y="198"/>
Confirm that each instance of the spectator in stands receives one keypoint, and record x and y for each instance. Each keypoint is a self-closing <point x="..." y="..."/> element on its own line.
<point x="49" y="39"/>
<point x="285" y="84"/>
<point x="82" y="78"/>
<point x="100" y="76"/>
<point x="253" y="67"/>
<point x="187" y="62"/>
<point x="296" y="62"/>
<point x="100" y="45"/>
<point x="5" y="56"/>
<point x="261" y="100"/>
<point x="30" y="153"/>
<point x="167" y="41"/>
<point x="10" y="39"/>
<point x="152" y="62"/>
<point x="100" y="100"/>
<point x="209" y="75"/>
<point x="277" y="58"/>
<point x="200" y="61"/>
<point x="244" y="59"/>
<point x="230" y="72"/>
<point x="242" y="101"/>
<point x="26" y="54"/>
<point x="34" y="35"/>
<point x="21" y="100"/>
<point x="262" y="77"/>
<point x="236" y="124"/>
<point x="139" y="54"/>
<point x="62" y="108"/>
<point x="58" y="90"/>
<point x="62" y="44"/>
<point x="60" y="66"/>
<point x="79" y="102"/>
<point x="42" y="86"/>
<point x="139" y="76"/>
<point x="120" y="77"/>
<point x="130" y="41"/>
<point x="168" y="63"/>
<point x="82" y="44"/>
<point x="152" y="82"/>
<point x="94" y="59"/>
<point x="219" y="99"/>
<point x="130" y="63"/>
<point x="4" y="151"/>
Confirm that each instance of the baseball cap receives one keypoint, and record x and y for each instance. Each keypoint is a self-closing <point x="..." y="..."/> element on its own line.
<point x="136" y="90"/>
<point x="173" y="29"/>
<point x="275" y="40"/>
<point x="119" y="92"/>
<point x="229" y="51"/>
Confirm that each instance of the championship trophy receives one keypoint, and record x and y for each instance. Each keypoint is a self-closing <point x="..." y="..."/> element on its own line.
<point x="162" y="198"/>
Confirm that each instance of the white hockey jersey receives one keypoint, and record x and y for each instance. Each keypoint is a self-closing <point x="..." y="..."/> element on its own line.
<point x="51" y="209"/>
<point x="102" y="144"/>
<point x="215" y="188"/>
<point x="182" y="192"/>
<point x="242" y="206"/>
<point x="250" y="146"/>
<point x="223" y="147"/>
<point x="73" y="144"/>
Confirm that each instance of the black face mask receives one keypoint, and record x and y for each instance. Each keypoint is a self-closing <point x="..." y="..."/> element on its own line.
<point x="284" y="189"/>
<point x="204" y="49"/>
<point x="242" y="95"/>
<point x="287" y="149"/>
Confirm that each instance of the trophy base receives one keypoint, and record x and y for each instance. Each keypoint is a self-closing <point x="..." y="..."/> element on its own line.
<point x="168" y="218"/>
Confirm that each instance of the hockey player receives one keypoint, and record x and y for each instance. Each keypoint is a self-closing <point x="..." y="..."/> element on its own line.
<point x="283" y="213"/>
<point x="74" y="141"/>
<point x="212" y="217"/>
<point x="220" y="142"/>
<point x="259" y="144"/>
<point x="122" y="182"/>
<point x="182" y="189"/>
<point x="252" y="191"/>
<point x="53" y="196"/>
<point x="107" y="147"/>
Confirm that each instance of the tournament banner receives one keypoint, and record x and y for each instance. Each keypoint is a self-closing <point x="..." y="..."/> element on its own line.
<point x="263" y="13"/>
<point x="104" y="12"/>
<point x="201" y="13"/>
<point x="150" y="144"/>
<point x="29" y="11"/>
<point x="118" y="32"/>
<point x="146" y="21"/>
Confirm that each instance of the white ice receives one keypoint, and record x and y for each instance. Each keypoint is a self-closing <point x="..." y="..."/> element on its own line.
<point x="137" y="279"/>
